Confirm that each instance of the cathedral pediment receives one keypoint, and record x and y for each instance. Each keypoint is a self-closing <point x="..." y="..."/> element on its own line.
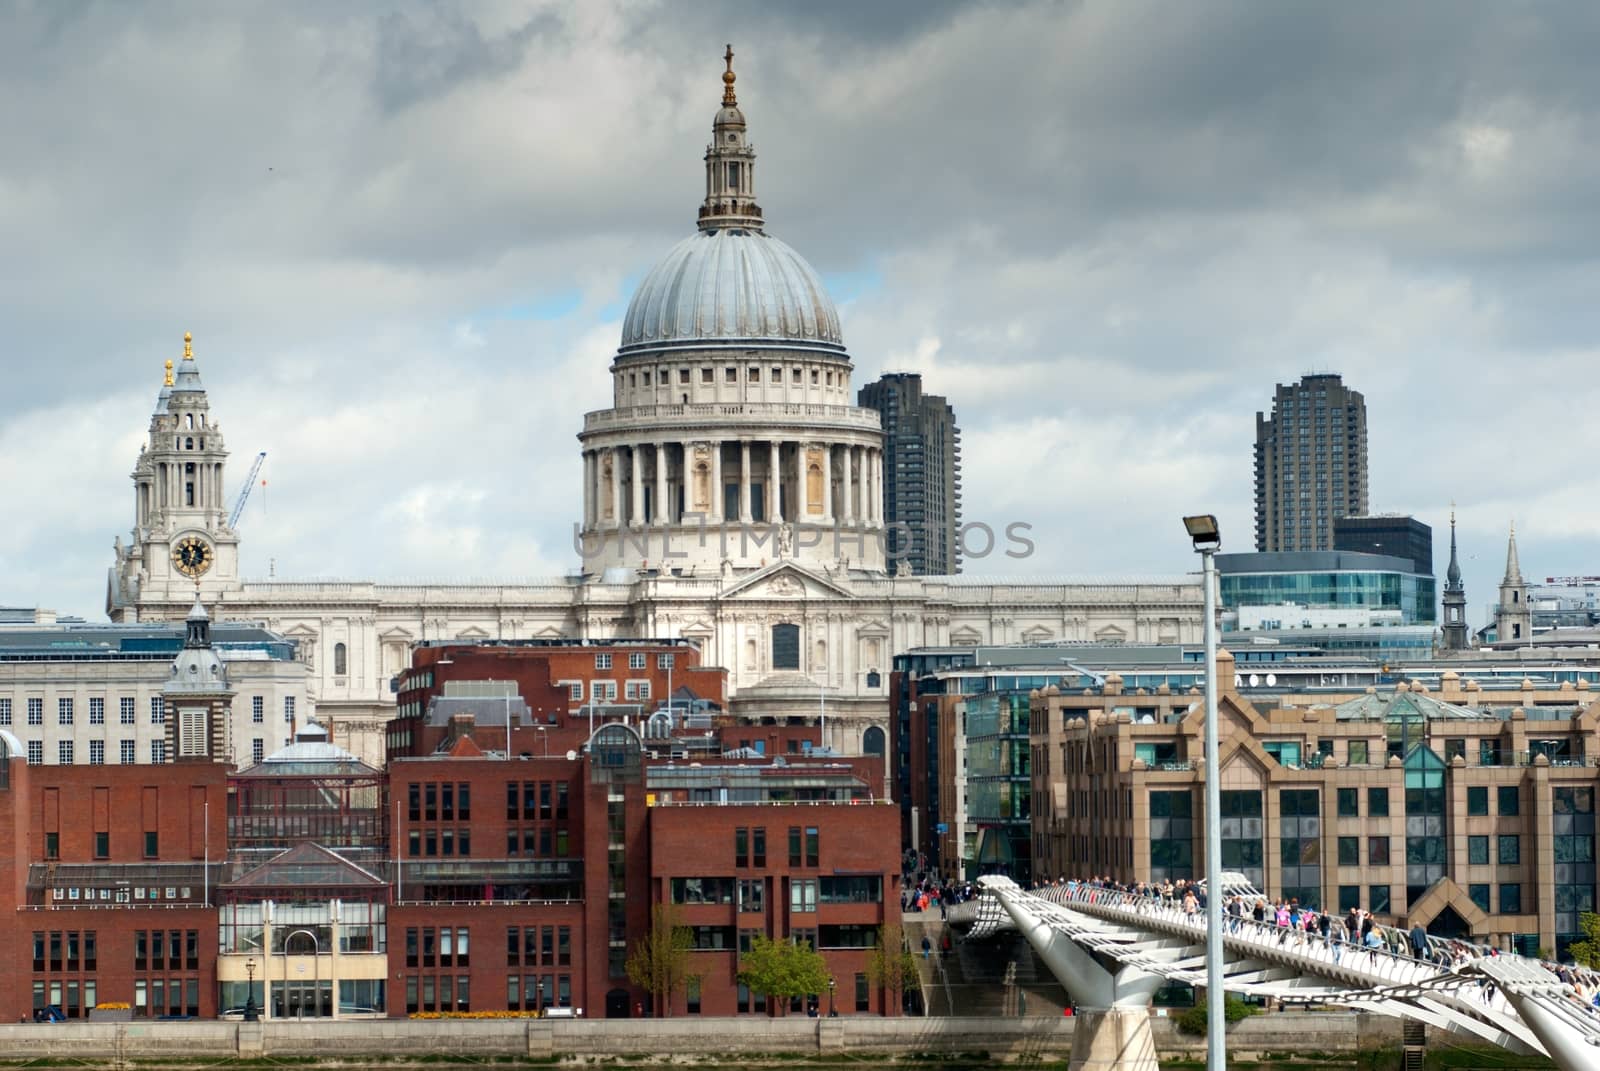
<point x="966" y="636"/>
<point x="785" y="580"/>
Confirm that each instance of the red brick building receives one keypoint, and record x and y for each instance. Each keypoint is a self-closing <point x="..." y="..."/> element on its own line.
<point x="559" y="683"/>
<point x="465" y="876"/>
<point x="106" y="882"/>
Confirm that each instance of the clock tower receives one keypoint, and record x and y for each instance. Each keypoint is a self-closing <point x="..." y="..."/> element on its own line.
<point x="182" y="545"/>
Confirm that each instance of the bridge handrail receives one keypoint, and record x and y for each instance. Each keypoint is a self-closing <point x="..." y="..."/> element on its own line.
<point x="1082" y="892"/>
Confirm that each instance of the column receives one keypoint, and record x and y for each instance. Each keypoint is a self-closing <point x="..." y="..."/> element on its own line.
<point x="827" y="483"/>
<point x="637" y="517"/>
<point x="663" y="510"/>
<point x="588" y="489"/>
<point x="716" y="480"/>
<point x="773" y="499"/>
<point x="877" y="484"/>
<point x="849" y="486"/>
<point x="616" y="485"/>
<point x="798" y="500"/>
<point x="744" y="482"/>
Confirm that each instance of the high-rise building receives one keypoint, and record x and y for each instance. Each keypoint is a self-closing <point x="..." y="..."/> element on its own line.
<point x="1311" y="464"/>
<point x="1395" y="534"/>
<point x="922" y="473"/>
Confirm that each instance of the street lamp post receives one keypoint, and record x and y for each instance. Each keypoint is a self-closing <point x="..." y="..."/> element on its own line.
<point x="1207" y="540"/>
<point x="831" y="1012"/>
<point x="251" y="1015"/>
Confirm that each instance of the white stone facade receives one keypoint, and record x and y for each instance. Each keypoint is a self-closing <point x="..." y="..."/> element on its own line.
<point x="118" y="705"/>
<point x="731" y="409"/>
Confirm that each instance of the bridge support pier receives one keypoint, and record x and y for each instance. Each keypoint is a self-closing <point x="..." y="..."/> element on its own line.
<point x="1113" y="1039"/>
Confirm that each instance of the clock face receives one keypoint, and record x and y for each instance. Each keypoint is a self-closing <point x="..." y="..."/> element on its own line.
<point x="192" y="556"/>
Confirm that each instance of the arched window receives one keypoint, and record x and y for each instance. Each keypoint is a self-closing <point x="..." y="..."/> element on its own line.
<point x="340" y="660"/>
<point x="188" y="444"/>
<point x="785" y="646"/>
<point x="189" y="421"/>
<point x="872" y="741"/>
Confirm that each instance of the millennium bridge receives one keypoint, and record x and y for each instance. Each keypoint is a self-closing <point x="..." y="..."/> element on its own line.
<point x="1112" y="950"/>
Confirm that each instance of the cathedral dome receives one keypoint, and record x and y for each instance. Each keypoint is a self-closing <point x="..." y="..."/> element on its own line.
<point x="734" y="287"/>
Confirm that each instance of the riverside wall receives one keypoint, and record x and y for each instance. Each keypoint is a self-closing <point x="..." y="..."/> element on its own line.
<point x="180" y="1042"/>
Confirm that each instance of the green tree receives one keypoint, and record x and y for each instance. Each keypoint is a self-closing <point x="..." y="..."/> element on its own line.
<point x="891" y="966"/>
<point x="783" y="970"/>
<point x="659" y="962"/>
<point x="1587" y="951"/>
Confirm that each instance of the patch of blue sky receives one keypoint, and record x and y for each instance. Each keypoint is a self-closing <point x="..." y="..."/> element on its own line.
<point x="554" y="305"/>
<point x="846" y="286"/>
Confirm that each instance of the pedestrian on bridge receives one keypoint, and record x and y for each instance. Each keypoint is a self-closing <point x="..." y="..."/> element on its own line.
<point x="1419" y="942"/>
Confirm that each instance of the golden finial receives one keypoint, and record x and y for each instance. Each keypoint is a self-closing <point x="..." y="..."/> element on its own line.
<point x="169" y="372"/>
<point x="727" y="78"/>
<point x="188" y="349"/>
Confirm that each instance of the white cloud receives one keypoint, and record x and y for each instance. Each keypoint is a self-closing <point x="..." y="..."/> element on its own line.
<point x="402" y="240"/>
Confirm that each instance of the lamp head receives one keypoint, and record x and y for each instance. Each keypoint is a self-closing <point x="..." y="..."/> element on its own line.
<point x="1203" y="531"/>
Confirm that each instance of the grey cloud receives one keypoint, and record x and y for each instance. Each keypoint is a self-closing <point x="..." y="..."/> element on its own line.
<point x="1134" y="217"/>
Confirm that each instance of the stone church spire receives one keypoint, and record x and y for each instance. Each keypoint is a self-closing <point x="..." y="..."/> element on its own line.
<point x="1454" y="632"/>
<point x="730" y="166"/>
<point x="1513" y="621"/>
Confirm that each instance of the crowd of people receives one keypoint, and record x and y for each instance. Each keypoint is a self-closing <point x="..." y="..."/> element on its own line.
<point x="1348" y="933"/>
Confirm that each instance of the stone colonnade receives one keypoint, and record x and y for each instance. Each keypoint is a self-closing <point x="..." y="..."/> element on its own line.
<point x="732" y="480"/>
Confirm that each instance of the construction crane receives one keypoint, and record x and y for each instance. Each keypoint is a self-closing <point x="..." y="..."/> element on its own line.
<point x="244" y="492"/>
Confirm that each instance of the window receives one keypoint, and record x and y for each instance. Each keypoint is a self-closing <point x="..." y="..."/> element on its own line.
<point x="574" y="691"/>
<point x="636" y="660"/>
<point x="1377" y="803"/>
<point x="64" y="752"/>
<point x="35" y="752"/>
<point x="602" y="691"/>
<point x="125" y="710"/>
<point x="683" y="376"/>
<point x="64" y="711"/>
<point x="1478" y="851"/>
<point x="803" y="894"/>
<point x="158" y="711"/>
<point x="1511" y="899"/>
<point x="1349" y="803"/>
<point x="341" y="660"/>
<point x="637" y="690"/>
<point x="1377" y="851"/>
<point x="794" y="846"/>
<point x="258" y="749"/>
<point x="158" y="752"/>
<point x="812" y="841"/>
<point x="753" y="375"/>
<point x="707" y="376"/>
<point x="730" y="375"/>
<point x="1508" y="850"/>
<point x="741" y="846"/>
<point x="1477" y="800"/>
<point x="192" y="730"/>
<point x="52" y="850"/>
<point x="786" y="646"/>
<point x="102" y="845"/>
<point x="758" y="846"/>
<point x="97" y="710"/>
<point x="602" y="661"/>
<point x="1509" y="796"/>
<point x="258" y="709"/>
<point x="1357" y="752"/>
<point x="125" y="753"/>
<point x="5" y="712"/>
<point x="1479" y="895"/>
<point x="1378" y="899"/>
<point x="97" y="753"/>
<point x="1349" y="897"/>
<point x="288" y="708"/>
<point x="152" y="845"/>
<point x="664" y="661"/>
<point x="1349" y="851"/>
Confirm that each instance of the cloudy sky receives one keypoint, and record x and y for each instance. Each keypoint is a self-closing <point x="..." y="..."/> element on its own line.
<point x="404" y="237"/>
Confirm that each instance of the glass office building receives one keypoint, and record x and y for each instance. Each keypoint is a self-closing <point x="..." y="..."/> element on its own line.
<point x="1329" y="580"/>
